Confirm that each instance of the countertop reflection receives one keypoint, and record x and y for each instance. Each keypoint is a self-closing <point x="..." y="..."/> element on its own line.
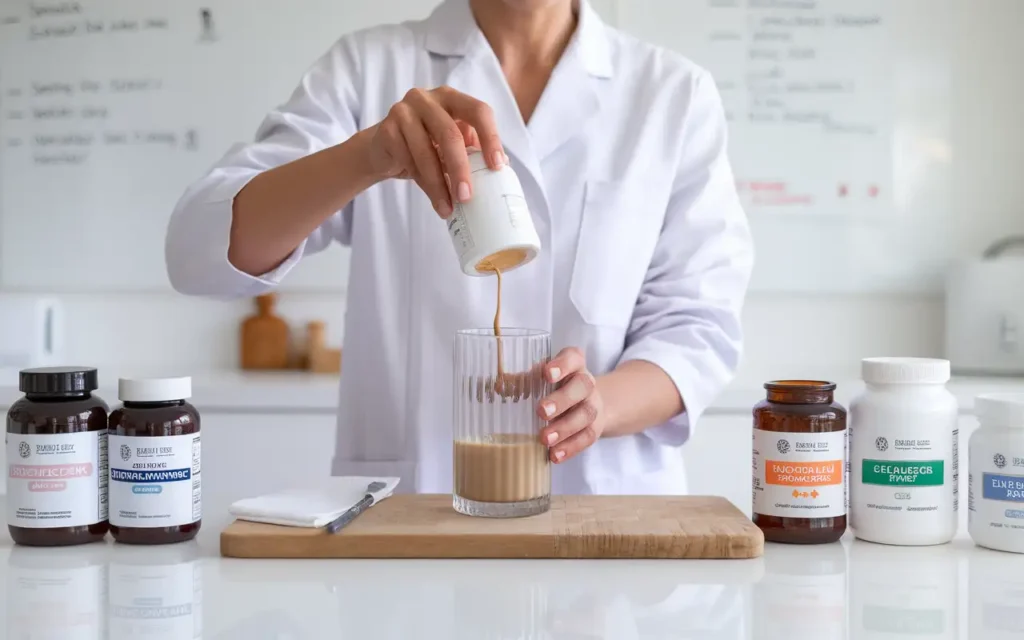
<point x="850" y="589"/>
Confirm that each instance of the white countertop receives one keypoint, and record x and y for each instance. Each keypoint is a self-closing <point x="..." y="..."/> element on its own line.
<point x="848" y="590"/>
<point x="300" y="392"/>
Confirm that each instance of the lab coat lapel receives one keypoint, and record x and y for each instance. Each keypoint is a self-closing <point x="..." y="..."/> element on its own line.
<point x="452" y="32"/>
<point x="570" y="100"/>
<point x="480" y="76"/>
<point x="572" y="97"/>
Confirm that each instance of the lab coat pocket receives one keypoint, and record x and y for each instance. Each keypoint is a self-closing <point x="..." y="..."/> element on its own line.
<point x="616" y="241"/>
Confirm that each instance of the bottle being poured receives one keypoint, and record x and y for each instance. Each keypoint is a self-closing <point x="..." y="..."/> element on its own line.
<point x="493" y="232"/>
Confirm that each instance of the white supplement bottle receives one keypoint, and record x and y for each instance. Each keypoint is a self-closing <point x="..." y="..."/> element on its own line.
<point x="494" y="230"/>
<point x="995" y="496"/>
<point x="903" y="453"/>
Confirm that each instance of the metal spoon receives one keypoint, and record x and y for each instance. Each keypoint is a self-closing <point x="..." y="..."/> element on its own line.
<point x="338" y="523"/>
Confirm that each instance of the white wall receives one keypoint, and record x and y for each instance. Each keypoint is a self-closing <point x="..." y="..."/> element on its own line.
<point x="787" y="335"/>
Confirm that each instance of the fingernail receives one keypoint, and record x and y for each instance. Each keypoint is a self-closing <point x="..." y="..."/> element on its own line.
<point x="499" y="159"/>
<point x="443" y="208"/>
<point x="552" y="438"/>
<point x="559" y="455"/>
<point x="463" y="192"/>
<point x="556" y="374"/>
<point x="548" y="408"/>
<point x="505" y="155"/>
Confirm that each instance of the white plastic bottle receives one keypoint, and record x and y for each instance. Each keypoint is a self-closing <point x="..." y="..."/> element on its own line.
<point x="903" y="453"/>
<point x="995" y="509"/>
<point x="494" y="229"/>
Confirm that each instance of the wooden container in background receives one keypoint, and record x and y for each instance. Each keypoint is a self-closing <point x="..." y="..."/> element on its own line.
<point x="264" y="337"/>
<point x="320" y="359"/>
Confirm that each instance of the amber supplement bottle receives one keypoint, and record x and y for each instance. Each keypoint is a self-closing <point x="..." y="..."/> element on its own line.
<point x="155" y="481"/>
<point x="57" y="459"/>
<point x="800" y="470"/>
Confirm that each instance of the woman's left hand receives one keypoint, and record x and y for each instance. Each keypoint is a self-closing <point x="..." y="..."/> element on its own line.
<point x="574" y="410"/>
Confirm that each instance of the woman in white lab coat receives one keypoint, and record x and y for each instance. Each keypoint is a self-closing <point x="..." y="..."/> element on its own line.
<point x="621" y="149"/>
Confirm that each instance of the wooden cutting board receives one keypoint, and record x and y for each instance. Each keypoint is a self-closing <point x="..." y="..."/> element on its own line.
<point x="426" y="526"/>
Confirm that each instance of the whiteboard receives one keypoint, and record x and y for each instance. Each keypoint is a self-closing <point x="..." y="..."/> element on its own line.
<point x="109" y="109"/>
<point x="839" y="127"/>
<point x="840" y="131"/>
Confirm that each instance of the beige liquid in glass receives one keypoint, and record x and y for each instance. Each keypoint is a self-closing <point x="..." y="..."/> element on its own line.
<point x="504" y="468"/>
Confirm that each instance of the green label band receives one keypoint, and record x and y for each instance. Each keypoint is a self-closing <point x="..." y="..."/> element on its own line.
<point x="895" y="473"/>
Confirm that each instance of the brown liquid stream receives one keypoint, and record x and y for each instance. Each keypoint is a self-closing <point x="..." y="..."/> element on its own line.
<point x="515" y="385"/>
<point x="499" y="381"/>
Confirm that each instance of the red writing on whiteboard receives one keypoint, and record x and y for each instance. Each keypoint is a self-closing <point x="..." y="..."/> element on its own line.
<point x="771" y="193"/>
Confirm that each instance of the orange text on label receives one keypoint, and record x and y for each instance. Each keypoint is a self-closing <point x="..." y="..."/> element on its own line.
<point x="804" y="474"/>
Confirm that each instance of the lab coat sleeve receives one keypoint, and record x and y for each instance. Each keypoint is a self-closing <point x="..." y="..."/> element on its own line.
<point x="687" y="316"/>
<point x="321" y="112"/>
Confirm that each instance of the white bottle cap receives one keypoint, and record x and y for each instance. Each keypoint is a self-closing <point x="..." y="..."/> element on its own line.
<point x="154" y="389"/>
<point x="904" y="370"/>
<point x="1000" y="409"/>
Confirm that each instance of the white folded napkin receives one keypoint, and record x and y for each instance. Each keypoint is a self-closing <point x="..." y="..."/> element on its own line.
<point x="311" y="508"/>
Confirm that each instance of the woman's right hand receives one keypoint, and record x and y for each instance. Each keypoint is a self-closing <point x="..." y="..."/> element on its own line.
<point x="424" y="138"/>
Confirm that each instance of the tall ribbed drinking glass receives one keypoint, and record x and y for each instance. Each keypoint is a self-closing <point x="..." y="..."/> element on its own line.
<point x="501" y="469"/>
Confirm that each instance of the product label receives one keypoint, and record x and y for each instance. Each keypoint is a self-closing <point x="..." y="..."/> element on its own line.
<point x="902" y="474"/>
<point x="956" y="470"/>
<point x="996" y="486"/>
<point x="155" y="482"/>
<point x="799" y="475"/>
<point x="57" y="480"/>
<point x="996" y="491"/>
<point x="920" y="473"/>
<point x="458" y="228"/>
<point x="518" y="212"/>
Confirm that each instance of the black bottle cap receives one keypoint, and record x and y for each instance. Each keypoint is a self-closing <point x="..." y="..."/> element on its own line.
<point x="58" y="381"/>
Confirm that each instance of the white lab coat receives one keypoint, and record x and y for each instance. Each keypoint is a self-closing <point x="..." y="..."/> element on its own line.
<point x="646" y="250"/>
